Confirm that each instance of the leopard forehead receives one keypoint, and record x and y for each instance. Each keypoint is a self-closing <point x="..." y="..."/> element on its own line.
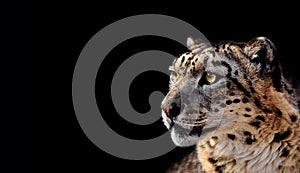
<point x="212" y="58"/>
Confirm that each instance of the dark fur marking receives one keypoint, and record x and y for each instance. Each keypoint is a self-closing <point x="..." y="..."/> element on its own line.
<point x="247" y="133"/>
<point x="231" y="136"/>
<point x="227" y="55"/>
<point x="250" y="141"/>
<point x="248" y="109"/>
<point x="265" y="97"/>
<point x="236" y="101"/>
<point x="249" y="83"/>
<point x="182" y="60"/>
<point x="229" y="69"/>
<point x="228" y="85"/>
<point x="293" y="118"/>
<point x="267" y="111"/>
<point x="232" y="94"/>
<point x="212" y="160"/>
<point x="257" y="103"/>
<point x="285" y="152"/>
<point x="259" y="117"/>
<point x="255" y="124"/>
<point x="245" y="100"/>
<point x="220" y="168"/>
<point x="228" y="102"/>
<point x="290" y="91"/>
<point x="236" y="72"/>
<point x="222" y="105"/>
<point x="278" y="112"/>
<point x="276" y="75"/>
<point x="197" y="130"/>
<point x="240" y="86"/>
<point x="247" y="115"/>
<point x="281" y="136"/>
<point x="230" y="110"/>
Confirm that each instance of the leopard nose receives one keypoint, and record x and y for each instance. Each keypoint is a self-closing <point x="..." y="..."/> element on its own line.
<point x="172" y="111"/>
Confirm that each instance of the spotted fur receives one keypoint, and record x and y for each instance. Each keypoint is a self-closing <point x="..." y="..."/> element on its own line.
<point x="245" y="120"/>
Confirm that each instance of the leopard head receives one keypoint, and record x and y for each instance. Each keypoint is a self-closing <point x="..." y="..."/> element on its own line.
<point x="214" y="88"/>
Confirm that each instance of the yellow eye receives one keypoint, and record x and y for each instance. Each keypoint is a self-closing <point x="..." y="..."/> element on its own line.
<point x="210" y="77"/>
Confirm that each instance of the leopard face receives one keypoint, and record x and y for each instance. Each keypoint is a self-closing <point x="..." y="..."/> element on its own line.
<point x="214" y="88"/>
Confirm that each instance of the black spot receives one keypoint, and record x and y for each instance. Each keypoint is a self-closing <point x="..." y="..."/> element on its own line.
<point x="219" y="168"/>
<point x="247" y="115"/>
<point x="259" y="117"/>
<point x="236" y="72"/>
<point x="228" y="102"/>
<point x="248" y="109"/>
<point x="281" y="136"/>
<point x="278" y="112"/>
<point x="183" y="58"/>
<point x="236" y="101"/>
<point x="217" y="49"/>
<point x="265" y="97"/>
<point x="224" y="47"/>
<point x="256" y="102"/>
<point x="245" y="100"/>
<point x="232" y="94"/>
<point x="293" y="118"/>
<point x="285" y="152"/>
<point x="228" y="85"/>
<point x="222" y="105"/>
<point x="229" y="69"/>
<point x="231" y="136"/>
<point x="267" y="111"/>
<point x="193" y="63"/>
<point x="255" y="124"/>
<point x="216" y="110"/>
<point x="250" y="141"/>
<point x="212" y="160"/>
<point x="247" y="133"/>
<point x="230" y="110"/>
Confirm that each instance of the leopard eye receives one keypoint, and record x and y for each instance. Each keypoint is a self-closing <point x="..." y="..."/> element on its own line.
<point x="210" y="78"/>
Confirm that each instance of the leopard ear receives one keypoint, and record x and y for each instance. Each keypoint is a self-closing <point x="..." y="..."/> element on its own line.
<point x="261" y="51"/>
<point x="195" y="45"/>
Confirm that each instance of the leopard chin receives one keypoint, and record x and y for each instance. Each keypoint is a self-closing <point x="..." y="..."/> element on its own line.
<point x="186" y="131"/>
<point x="182" y="137"/>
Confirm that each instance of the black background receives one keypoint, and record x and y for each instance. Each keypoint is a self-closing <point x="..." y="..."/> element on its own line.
<point x="67" y="27"/>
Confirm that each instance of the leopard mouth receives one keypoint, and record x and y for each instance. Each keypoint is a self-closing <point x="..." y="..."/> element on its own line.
<point x="190" y="123"/>
<point x="186" y="121"/>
